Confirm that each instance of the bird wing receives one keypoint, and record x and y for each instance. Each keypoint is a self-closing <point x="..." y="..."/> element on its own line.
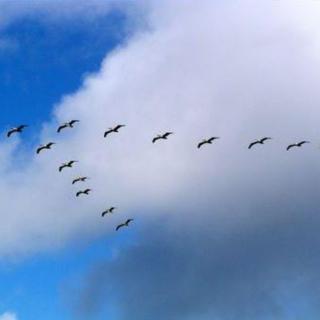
<point x="155" y="139"/>
<point x="62" y="167"/>
<point x="118" y="127"/>
<point x="128" y="221"/>
<point x="120" y="226"/>
<point x="302" y="142"/>
<point x="40" y="149"/>
<point x="167" y="134"/>
<point x="63" y="126"/>
<point x="252" y="144"/>
<point x="107" y="132"/>
<point x="78" y="193"/>
<point x="72" y="122"/>
<point x="201" y="144"/>
<point x="291" y="146"/>
<point x="265" y="139"/>
<point x="21" y="127"/>
<point x="75" y="180"/>
<point x="11" y="132"/>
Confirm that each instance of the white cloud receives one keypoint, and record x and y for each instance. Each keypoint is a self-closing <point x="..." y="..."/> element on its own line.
<point x="201" y="69"/>
<point x="8" y="316"/>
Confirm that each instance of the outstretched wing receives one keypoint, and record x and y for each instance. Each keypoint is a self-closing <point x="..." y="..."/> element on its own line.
<point x="302" y="143"/>
<point x="118" y="127"/>
<point x="11" y="132"/>
<point x="252" y="144"/>
<point x="107" y="132"/>
<point x="63" y="126"/>
<point x="201" y="144"/>
<point x="72" y="122"/>
<point x="290" y="146"/>
<point x="120" y="226"/>
<point x="40" y="149"/>
<point x="265" y="139"/>
<point x="155" y="139"/>
<point x="167" y="134"/>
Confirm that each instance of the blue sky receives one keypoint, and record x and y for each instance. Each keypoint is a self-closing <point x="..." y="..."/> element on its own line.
<point x="219" y="233"/>
<point x="45" y="62"/>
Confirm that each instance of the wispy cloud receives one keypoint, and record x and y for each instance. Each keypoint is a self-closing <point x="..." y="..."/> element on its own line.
<point x="8" y="316"/>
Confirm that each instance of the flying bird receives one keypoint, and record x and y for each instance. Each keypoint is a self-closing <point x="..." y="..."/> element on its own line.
<point x="86" y="191"/>
<point x="45" y="146"/>
<point x="163" y="136"/>
<point x="110" y="210"/>
<point x="67" y="165"/>
<point x="126" y="224"/>
<point x="299" y="144"/>
<point x="67" y="125"/>
<point x="261" y="141"/>
<point x="18" y="129"/>
<point x="207" y="141"/>
<point x="79" y="179"/>
<point x="115" y="129"/>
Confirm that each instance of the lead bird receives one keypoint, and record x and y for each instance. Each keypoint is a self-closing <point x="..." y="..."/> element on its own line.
<point x="115" y="129"/>
<point x="45" y="147"/>
<point x="163" y="136"/>
<point x="126" y="224"/>
<point x="67" y="165"/>
<point x="299" y="144"/>
<point x="67" y="125"/>
<point x="261" y="141"/>
<point x="110" y="210"/>
<point x="86" y="192"/>
<point x="79" y="179"/>
<point x="18" y="129"/>
<point x="207" y="141"/>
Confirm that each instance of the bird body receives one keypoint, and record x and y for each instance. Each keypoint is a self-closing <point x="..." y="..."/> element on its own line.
<point x="18" y="129"/>
<point x="163" y="136"/>
<point x="126" y="224"/>
<point x="299" y="144"/>
<point x="67" y="165"/>
<point x="45" y="146"/>
<point x="67" y="125"/>
<point x="79" y="179"/>
<point x="86" y="191"/>
<point x="110" y="210"/>
<point x="207" y="141"/>
<point x="261" y="141"/>
<point x="115" y="129"/>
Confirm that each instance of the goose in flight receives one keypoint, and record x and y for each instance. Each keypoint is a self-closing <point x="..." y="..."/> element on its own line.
<point x="115" y="129"/>
<point x="86" y="191"/>
<point x="67" y="165"/>
<point x="299" y="144"/>
<point x="261" y="141"/>
<point x="18" y="129"/>
<point x="126" y="224"/>
<point x="79" y="179"/>
<point x="163" y="136"/>
<point x="110" y="210"/>
<point x="67" y="125"/>
<point x="207" y="141"/>
<point x="45" y="146"/>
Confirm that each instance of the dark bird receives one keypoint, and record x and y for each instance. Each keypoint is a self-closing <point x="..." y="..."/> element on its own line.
<point x="126" y="224"/>
<point x="115" y="129"/>
<point x="67" y="125"/>
<point x="79" y="179"/>
<point x="209" y="141"/>
<point x="18" y="129"/>
<point x="110" y="210"/>
<point x="261" y="141"/>
<point x="67" y="165"/>
<point x="45" y="146"/>
<point x="299" y="144"/>
<point x="86" y="191"/>
<point x="163" y="136"/>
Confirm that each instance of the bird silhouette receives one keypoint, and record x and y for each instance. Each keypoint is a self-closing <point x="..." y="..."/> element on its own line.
<point x="67" y="125"/>
<point x="18" y="129"/>
<point x="163" y="136"/>
<point x="261" y="141"/>
<point x="86" y="191"/>
<point x="115" y="129"/>
<point x="126" y="224"/>
<point x="45" y="146"/>
<point x="299" y="144"/>
<point x="67" y="165"/>
<point x="110" y="210"/>
<point x="207" y="141"/>
<point x="79" y="179"/>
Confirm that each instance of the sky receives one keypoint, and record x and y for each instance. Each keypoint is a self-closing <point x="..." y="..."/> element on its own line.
<point x="221" y="232"/>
